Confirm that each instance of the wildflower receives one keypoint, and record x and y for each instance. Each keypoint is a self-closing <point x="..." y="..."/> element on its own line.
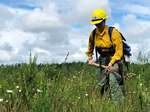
<point x="141" y="84"/>
<point x="17" y="87"/>
<point x="79" y="97"/>
<point x="86" y="94"/>
<point x="19" y="90"/>
<point x="1" y="99"/>
<point x="6" y="101"/>
<point x="9" y="91"/>
<point x="39" y="91"/>
<point x="74" y="76"/>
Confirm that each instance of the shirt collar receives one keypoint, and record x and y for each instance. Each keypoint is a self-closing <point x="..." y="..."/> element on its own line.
<point x="102" y="33"/>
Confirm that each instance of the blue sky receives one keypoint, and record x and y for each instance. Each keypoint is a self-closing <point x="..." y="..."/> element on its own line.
<point x="52" y="28"/>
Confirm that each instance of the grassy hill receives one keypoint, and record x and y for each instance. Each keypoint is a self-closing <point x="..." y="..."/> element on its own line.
<point x="68" y="87"/>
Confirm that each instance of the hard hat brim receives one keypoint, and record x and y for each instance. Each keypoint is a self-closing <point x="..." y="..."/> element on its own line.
<point x="96" y="22"/>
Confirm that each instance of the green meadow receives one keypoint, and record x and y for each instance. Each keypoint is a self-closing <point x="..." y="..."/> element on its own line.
<point x="68" y="87"/>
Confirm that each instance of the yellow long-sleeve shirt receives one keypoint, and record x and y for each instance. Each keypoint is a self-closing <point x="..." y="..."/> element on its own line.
<point x="103" y="40"/>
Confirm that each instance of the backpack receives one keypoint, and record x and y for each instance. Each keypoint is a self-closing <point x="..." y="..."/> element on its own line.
<point x="126" y="47"/>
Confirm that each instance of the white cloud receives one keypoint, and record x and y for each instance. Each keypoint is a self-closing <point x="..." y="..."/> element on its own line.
<point x="117" y="25"/>
<point x="49" y="29"/>
<point x="137" y="33"/>
<point x="80" y="11"/>
<point x="136" y="29"/>
<point x="42" y="19"/>
<point x="137" y="9"/>
<point x="5" y="17"/>
<point x="16" y="37"/>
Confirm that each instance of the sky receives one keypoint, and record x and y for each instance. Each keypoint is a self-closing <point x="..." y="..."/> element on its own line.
<point x="50" y="29"/>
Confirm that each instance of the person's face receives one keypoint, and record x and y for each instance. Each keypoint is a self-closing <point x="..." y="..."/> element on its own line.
<point x="100" y="25"/>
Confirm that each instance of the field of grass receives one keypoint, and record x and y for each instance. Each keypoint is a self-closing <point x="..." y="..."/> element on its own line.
<point x="68" y="87"/>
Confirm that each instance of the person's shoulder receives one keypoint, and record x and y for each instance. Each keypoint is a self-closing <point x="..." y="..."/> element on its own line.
<point x="115" y="33"/>
<point x="115" y="30"/>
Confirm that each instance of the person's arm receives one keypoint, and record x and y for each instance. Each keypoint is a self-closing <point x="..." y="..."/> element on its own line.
<point x="117" y="44"/>
<point x="89" y="52"/>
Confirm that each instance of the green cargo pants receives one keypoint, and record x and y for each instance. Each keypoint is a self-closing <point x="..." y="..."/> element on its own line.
<point x="110" y="82"/>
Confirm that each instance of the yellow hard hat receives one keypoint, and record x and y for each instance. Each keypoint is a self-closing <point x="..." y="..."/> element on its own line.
<point x="98" y="16"/>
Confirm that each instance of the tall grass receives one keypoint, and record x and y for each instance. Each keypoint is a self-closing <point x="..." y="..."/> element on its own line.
<point x="67" y="87"/>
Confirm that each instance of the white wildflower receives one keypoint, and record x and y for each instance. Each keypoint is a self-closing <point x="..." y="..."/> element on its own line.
<point x="79" y="97"/>
<point x="39" y="91"/>
<point x="74" y="76"/>
<point x="1" y="99"/>
<point x="17" y="87"/>
<point x="9" y="91"/>
<point x="6" y="101"/>
<point x="86" y="94"/>
<point x="141" y="84"/>
<point x="19" y="90"/>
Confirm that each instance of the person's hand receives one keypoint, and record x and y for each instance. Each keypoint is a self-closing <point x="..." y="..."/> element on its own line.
<point x="91" y="61"/>
<point x="108" y="68"/>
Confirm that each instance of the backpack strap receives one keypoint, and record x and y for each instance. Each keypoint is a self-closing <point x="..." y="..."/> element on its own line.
<point x="110" y="33"/>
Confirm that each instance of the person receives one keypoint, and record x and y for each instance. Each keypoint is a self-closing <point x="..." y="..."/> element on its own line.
<point x="109" y="79"/>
